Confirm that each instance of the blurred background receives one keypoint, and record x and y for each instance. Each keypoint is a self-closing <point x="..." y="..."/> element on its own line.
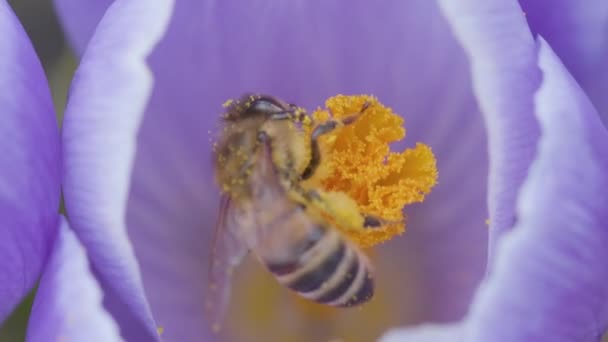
<point x="40" y="23"/>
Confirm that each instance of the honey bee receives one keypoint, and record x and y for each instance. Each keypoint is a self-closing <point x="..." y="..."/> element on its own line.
<point x="261" y="160"/>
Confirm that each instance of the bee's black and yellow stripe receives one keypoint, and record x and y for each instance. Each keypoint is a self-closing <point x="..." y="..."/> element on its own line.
<point x="330" y="270"/>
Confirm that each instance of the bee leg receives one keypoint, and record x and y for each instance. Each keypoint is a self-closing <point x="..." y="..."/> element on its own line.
<point x="309" y="196"/>
<point x="295" y="114"/>
<point x="373" y="222"/>
<point x="326" y="127"/>
<point x="370" y="221"/>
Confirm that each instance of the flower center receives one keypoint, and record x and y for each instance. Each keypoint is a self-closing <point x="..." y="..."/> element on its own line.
<point x="360" y="174"/>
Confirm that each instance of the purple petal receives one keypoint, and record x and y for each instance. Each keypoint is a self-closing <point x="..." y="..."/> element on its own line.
<point x="425" y="333"/>
<point x="216" y="51"/>
<point x="68" y="304"/>
<point x="29" y="162"/>
<point x="80" y="19"/>
<point x="505" y="77"/>
<point x="548" y="284"/>
<point x="577" y="32"/>
<point x="107" y="100"/>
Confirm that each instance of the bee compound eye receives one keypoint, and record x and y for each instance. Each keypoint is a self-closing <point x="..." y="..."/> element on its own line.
<point x="266" y="105"/>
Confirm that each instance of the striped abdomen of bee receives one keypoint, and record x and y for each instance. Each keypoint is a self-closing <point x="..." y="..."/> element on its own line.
<point x="330" y="270"/>
<point x="303" y="251"/>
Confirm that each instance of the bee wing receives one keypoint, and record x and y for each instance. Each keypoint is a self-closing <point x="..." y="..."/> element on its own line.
<point x="243" y="227"/>
<point x="227" y="252"/>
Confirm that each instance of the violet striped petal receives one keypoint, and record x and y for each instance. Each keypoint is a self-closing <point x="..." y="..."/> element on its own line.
<point x="80" y="19"/>
<point x="549" y="283"/>
<point x="505" y="77"/>
<point x="425" y="333"/>
<point x="29" y="164"/>
<point x="68" y="304"/>
<point x="577" y="32"/>
<point x="106" y="104"/>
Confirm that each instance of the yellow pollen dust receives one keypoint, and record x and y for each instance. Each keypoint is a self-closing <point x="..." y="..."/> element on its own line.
<point x="227" y="103"/>
<point x="356" y="161"/>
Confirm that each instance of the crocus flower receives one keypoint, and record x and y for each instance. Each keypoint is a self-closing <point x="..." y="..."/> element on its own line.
<point x="154" y="180"/>
<point x="140" y="196"/>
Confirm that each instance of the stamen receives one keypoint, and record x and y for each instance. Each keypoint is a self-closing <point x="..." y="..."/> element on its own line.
<point x="357" y="161"/>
